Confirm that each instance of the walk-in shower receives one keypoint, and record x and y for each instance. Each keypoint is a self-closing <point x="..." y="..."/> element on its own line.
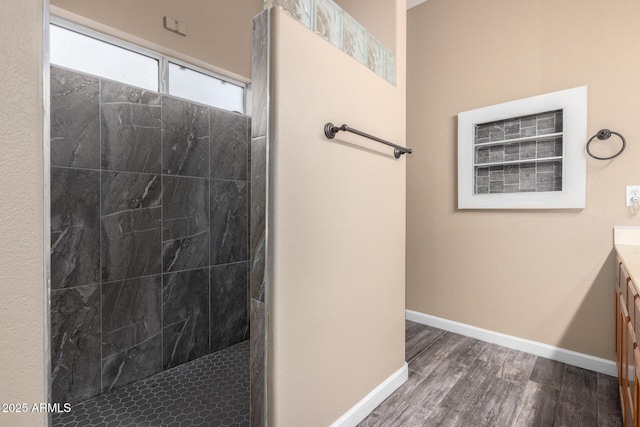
<point x="149" y="256"/>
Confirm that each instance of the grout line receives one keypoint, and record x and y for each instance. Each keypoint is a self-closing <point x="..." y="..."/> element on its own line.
<point x="128" y="279"/>
<point x="68" y="288"/>
<point x="76" y="168"/>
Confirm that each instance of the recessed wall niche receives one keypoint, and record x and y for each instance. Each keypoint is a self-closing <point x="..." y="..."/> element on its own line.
<point x="524" y="154"/>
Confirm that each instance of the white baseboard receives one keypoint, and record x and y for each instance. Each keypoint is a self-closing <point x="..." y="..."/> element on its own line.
<point x="363" y="408"/>
<point x="569" y="357"/>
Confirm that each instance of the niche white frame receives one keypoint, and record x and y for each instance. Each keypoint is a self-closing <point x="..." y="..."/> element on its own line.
<point x="573" y="103"/>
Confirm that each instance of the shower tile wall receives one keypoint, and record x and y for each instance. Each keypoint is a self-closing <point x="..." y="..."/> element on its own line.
<point x="258" y="303"/>
<point x="149" y="232"/>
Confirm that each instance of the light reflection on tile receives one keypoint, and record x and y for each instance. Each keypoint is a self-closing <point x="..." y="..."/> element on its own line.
<point x="328" y="22"/>
<point x="355" y="38"/>
<point x="390" y="66"/>
<point x="375" y="55"/>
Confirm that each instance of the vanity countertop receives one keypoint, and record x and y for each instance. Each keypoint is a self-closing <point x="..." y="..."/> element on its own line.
<point x="626" y="241"/>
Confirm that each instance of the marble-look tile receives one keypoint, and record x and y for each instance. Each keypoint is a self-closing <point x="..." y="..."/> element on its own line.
<point x="75" y="344"/>
<point x="328" y="21"/>
<point x="75" y="227"/>
<point x="131" y="244"/>
<point x="229" y="322"/>
<point x="115" y="92"/>
<point x="185" y="138"/>
<point x="185" y="223"/>
<point x="131" y="225"/>
<point x="133" y="364"/>
<point x="75" y="119"/>
<point x="125" y="191"/>
<point x="257" y="363"/>
<point x="257" y="215"/>
<point x="185" y="313"/>
<point x="130" y="135"/>
<point x="299" y="9"/>
<point x="131" y="313"/>
<point x="228" y="220"/>
<point x="259" y="74"/>
<point x="354" y="38"/>
<point x="375" y="56"/>
<point x="229" y="145"/>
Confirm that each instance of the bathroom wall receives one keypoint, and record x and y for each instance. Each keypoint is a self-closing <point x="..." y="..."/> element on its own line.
<point x="335" y="223"/>
<point x="210" y="24"/>
<point x="541" y="275"/>
<point x="149" y="233"/>
<point x="22" y="287"/>
<point x="374" y="16"/>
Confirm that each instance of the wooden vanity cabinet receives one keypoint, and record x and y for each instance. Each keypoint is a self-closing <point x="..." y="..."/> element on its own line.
<point x="627" y="322"/>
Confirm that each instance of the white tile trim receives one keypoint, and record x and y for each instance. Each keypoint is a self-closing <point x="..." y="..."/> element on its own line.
<point x="363" y="408"/>
<point x="414" y="3"/>
<point x="569" y="357"/>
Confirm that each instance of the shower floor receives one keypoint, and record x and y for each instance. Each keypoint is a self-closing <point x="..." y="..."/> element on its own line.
<point x="210" y="391"/>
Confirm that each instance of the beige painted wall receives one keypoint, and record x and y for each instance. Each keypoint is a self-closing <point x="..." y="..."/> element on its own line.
<point x="541" y="275"/>
<point x="375" y="16"/>
<point x="218" y="31"/>
<point x="22" y="286"/>
<point x="336" y="229"/>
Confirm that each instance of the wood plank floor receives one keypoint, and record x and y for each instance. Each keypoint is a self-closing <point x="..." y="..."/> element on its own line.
<point x="460" y="381"/>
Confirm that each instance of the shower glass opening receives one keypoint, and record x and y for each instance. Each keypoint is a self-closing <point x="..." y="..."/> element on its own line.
<point x="149" y="256"/>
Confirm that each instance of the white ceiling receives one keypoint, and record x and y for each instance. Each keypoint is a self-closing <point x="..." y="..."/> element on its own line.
<point x="413" y="3"/>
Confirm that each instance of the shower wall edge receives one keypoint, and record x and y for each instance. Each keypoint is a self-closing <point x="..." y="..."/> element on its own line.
<point x="46" y="200"/>
<point x="260" y="130"/>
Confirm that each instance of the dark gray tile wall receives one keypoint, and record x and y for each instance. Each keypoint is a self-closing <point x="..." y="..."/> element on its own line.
<point x="185" y="138"/>
<point x="185" y="223"/>
<point x="75" y="227"/>
<point x="229" y="221"/>
<point x="75" y="127"/>
<point x="230" y="146"/>
<point x="228" y="305"/>
<point x="130" y="128"/>
<point x="258" y="217"/>
<point x="75" y="346"/>
<point x="149" y="232"/>
<point x="535" y="176"/>
<point x="186" y="315"/>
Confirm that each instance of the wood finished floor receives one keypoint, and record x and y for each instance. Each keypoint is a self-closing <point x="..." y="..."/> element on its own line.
<point x="459" y="381"/>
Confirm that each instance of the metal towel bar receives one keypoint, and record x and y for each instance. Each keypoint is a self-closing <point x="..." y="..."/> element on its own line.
<point x="330" y="132"/>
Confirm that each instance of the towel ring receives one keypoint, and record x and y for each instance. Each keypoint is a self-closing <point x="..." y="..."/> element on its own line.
<point x="606" y="134"/>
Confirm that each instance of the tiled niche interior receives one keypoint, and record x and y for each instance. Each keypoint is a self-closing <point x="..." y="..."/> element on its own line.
<point x="149" y="233"/>
<point x="522" y="154"/>
<point x="331" y="22"/>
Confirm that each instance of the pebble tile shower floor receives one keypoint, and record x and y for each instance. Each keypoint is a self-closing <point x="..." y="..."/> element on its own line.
<point x="210" y="391"/>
